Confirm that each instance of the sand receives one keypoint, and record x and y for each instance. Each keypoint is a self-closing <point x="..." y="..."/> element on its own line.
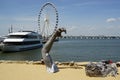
<point x="30" y="71"/>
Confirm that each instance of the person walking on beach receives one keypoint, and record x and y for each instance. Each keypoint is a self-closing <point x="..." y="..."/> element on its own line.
<point x="50" y="65"/>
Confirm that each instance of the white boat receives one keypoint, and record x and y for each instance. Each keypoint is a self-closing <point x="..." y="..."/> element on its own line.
<point x="23" y="40"/>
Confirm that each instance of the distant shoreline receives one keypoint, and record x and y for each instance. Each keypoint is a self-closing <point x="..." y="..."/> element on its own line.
<point x="91" y="37"/>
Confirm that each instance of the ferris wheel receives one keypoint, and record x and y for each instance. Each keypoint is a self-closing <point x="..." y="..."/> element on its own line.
<point x="47" y="19"/>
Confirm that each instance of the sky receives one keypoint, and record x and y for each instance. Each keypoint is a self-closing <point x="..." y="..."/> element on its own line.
<point x="79" y="17"/>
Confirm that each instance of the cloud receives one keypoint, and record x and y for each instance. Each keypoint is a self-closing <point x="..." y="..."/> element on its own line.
<point x="25" y="19"/>
<point x="18" y="18"/>
<point x="86" y="3"/>
<point x="81" y="30"/>
<point x="109" y="20"/>
<point x="119" y="18"/>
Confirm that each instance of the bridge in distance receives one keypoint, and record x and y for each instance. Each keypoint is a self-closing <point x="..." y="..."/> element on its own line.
<point x="91" y="37"/>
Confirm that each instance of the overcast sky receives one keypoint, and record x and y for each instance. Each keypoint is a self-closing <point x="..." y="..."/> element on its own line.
<point x="79" y="17"/>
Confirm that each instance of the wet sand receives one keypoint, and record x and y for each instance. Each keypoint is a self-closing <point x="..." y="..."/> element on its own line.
<point x="36" y="71"/>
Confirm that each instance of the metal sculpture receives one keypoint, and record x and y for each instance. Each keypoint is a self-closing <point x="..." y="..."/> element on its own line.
<point x="51" y="67"/>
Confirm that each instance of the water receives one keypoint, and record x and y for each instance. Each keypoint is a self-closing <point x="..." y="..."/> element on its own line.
<point x="73" y="50"/>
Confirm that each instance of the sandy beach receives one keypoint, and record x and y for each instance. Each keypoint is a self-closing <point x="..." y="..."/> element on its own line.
<point x="35" y="71"/>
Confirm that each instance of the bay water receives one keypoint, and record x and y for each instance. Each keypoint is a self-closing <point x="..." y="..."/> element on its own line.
<point x="77" y="50"/>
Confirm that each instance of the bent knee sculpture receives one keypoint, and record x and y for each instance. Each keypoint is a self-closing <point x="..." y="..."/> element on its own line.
<point x="51" y="67"/>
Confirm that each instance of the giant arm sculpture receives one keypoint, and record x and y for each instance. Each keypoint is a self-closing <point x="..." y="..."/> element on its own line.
<point x="51" y="67"/>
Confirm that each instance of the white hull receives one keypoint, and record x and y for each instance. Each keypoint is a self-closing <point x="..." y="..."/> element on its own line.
<point x="10" y="48"/>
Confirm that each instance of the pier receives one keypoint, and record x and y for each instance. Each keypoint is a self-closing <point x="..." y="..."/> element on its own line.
<point x="91" y="37"/>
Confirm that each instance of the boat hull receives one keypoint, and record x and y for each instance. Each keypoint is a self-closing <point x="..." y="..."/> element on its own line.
<point x="15" y="48"/>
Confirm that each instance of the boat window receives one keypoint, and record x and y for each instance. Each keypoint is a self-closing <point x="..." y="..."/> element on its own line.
<point x="32" y="36"/>
<point x="15" y="36"/>
<point x="22" y="43"/>
<point x="23" y="36"/>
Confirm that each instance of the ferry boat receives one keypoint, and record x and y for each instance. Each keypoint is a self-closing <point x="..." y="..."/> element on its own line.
<point x="23" y="40"/>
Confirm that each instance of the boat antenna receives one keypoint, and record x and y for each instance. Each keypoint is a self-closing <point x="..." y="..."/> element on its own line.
<point x="11" y="28"/>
